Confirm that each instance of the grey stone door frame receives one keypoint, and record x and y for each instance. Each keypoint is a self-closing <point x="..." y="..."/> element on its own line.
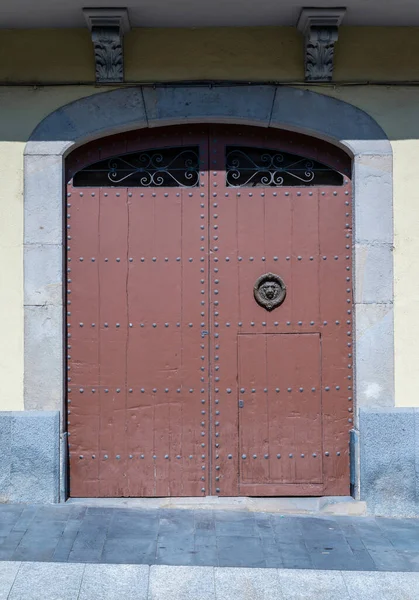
<point x="293" y="109"/>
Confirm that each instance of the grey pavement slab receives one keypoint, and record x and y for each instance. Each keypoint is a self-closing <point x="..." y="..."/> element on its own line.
<point x="78" y="534"/>
<point x="59" y="581"/>
<point x="128" y="550"/>
<point x="182" y="583"/>
<point x="9" y="519"/>
<point x="316" y="585"/>
<point x="382" y="586"/>
<point x="114" y="582"/>
<point x="295" y="555"/>
<point x="25" y="518"/>
<point x="91" y="537"/>
<point x="49" y="581"/>
<point x="240" y="551"/>
<point x="247" y="584"/>
<point x="63" y="549"/>
<point x="9" y="544"/>
<point x="8" y="572"/>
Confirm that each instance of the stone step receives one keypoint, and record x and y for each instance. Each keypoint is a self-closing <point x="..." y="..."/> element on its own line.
<point x="330" y="505"/>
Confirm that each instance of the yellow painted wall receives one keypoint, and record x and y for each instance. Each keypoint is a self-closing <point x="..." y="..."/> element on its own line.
<point x="20" y="111"/>
<point x="251" y="54"/>
<point x="397" y="111"/>
<point x="11" y="275"/>
<point x="224" y="53"/>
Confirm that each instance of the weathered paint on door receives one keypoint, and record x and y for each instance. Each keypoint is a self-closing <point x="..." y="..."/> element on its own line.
<point x="180" y="383"/>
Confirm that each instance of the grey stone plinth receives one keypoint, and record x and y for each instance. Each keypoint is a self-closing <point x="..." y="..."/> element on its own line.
<point x="389" y="460"/>
<point x="29" y="465"/>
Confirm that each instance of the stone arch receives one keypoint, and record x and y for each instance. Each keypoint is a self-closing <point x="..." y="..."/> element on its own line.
<point x="264" y="106"/>
<point x="287" y="108"/>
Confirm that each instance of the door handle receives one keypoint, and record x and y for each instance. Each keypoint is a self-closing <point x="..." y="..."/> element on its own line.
<point x="241" y="403"/>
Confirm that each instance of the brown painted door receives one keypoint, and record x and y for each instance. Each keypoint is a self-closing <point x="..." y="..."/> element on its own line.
<point x="284" y="381"/>
<point x="180" y="383"/>
<point x="138" y="361"/>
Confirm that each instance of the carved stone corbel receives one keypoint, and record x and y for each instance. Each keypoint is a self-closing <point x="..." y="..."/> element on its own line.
<point x="108" y="26"/>
<point x="320" y="29"/>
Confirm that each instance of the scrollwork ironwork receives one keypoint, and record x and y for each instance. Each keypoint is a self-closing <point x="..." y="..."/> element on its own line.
<point x="250" y="167"/>
<point x="166" y="167"/>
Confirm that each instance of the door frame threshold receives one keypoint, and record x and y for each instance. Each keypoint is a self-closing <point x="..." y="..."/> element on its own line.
<point x="326" y="505"/>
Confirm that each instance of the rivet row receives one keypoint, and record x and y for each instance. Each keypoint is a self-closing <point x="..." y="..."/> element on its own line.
<point x="190" y="259"/>
<point x="106" y="325"/>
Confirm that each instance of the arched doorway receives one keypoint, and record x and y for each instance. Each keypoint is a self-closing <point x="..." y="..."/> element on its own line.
<point x="209" y="304"/>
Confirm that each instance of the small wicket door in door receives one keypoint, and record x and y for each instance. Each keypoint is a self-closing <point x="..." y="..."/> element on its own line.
<point x="281" y="302"/>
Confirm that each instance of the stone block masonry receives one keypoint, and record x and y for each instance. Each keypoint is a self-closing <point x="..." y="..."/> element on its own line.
<point x="29" y="451"/>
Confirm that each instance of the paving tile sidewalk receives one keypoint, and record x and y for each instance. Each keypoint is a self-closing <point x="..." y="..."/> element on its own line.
<point x="75" y="533"/>
<point x="79" y="581"/>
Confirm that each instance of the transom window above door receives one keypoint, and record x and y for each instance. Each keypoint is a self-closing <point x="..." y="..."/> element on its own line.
<point x="260" y="167"/>
<point x="162" y="167"/>
<point x="179" y="166"/>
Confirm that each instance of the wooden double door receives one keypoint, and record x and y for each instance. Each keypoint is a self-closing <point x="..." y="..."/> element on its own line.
<point x="209" y="314"/>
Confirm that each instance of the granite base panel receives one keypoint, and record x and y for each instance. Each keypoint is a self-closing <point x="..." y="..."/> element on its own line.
<point x="389" y="461"/>
<point x="30" y="456"/>
<point x="387" y="442"/>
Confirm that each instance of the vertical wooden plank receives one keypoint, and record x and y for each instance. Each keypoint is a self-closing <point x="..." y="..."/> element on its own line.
<point x="140" y="366"/>
<point x="251" y="250"/>
<point x="278" y="244"/>
<point x="224" y="325"/>
<point x="253" y="410"/>
<point x="337" y="351"/>
<point x="294" y="367"/>
<point x="82" y="339"/>
<point x="113" y="329"/>
<point x="165" y="353"/>
<point x="303" y="288"/>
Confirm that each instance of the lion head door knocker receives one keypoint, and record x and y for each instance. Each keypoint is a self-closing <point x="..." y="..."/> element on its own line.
<point x="269" y="291"/>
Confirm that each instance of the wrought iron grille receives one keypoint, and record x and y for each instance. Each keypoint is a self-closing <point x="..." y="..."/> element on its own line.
<point x="260" y="167"/>
<point x="164" y="167"/>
